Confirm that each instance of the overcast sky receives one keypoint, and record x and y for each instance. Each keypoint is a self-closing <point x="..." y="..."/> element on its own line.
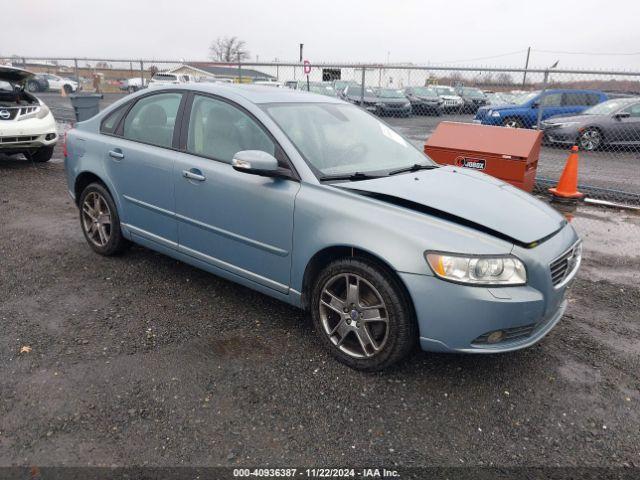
<point x="465" y="32"/>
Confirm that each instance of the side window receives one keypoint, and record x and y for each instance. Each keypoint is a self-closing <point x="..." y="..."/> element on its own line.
<point x="219" y="130"/>
<point x="551" y="100"/>
<point x="593" y="99"/>
<point x="110" y="123"/>
<point x="575" y="99"/>
<point x="634" y="110"/>
<point x="151" y="120"/>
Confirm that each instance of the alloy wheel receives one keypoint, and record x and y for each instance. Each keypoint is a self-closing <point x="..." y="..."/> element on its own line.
<point x="354" y="315"/>
<point x="590" y="139"/>
<point x="96" y="219"/>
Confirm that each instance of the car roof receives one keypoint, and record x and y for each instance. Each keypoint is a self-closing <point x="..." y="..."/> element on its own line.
<point x="259" y="93"/>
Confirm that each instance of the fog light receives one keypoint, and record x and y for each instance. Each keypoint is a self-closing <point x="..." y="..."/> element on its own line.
<point x="50" y="136"/>
<point x="495" y="337"/>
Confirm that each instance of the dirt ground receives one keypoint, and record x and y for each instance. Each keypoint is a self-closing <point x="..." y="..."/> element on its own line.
<point x="142" y="360"/>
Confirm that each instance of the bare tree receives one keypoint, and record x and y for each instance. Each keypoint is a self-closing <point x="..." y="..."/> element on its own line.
<point x="228" y="49"/>
<point x="504" y="79"/>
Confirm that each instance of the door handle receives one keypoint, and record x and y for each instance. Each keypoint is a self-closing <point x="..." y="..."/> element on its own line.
<point x="194" y="174"/>
<point x="116" y="153"/>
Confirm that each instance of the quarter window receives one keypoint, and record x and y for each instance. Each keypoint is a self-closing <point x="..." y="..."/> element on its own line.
<point x="219" y="130"/>
<point x="152" y="119"/>
<point x="110" y="123"/>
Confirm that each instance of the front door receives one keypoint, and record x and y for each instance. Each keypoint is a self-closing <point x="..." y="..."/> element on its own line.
<point x="236" y="221"/>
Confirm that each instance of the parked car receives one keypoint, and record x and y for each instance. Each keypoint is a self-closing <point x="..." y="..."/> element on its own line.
<point x="524" y="112"/>
<point x="132" y="84"/>
<point x="26" y="124"/>
<point x="614" y="122"/>
<point x="451" y="101"/>
<point x="57" y="83"/>
<point x="472" y="98"/>
<point x="37" y="83"/>
<point x="269" y="83"/>
<point x="392" y="102"/>
<point x="367" y="98"/>
<point x="163" y="79"/>
<point x="340" y="85"/>
<point x="315" y="202"/>
<point x="424" y="100"/>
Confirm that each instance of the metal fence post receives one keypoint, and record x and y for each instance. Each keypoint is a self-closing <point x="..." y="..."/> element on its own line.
<point x="141" y="74"/>
<point x="239" y="71"/>
<point x="362" y="89"/>
<point x="540" y="106"/>
<point x="75" y="65"/>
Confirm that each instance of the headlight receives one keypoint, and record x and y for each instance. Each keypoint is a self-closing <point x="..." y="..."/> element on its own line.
<point x="494" y="113"/>
<point x="42" y="112"/>
<point x="478" y="270"/>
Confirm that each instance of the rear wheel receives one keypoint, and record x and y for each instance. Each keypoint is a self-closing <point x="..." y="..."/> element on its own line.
<point x="363" y="315"/>
<point x="511" y="122"/>
<point x="32" y="86"/>
<point x="100" y="221"/>
<point x="590" y="139"/>
<point x="43" y="154"/>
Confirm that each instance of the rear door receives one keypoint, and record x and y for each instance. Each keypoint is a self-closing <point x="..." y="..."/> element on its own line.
<point x="235" y="221"/>
<point x="139" y="159"/>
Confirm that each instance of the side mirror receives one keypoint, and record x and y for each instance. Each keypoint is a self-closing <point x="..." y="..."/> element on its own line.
<point x="621" y="115"/>
<point x="255" y="162"/>
<point x="535" y="104"/>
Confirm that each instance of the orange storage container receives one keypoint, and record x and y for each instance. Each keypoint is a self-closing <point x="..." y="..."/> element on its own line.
<point x="510" y="154"/>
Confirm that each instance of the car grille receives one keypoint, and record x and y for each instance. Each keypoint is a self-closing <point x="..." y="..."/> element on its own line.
<point x="10" y="113"/>
<point x="563" y="266"/>
<point x="21" y="139"/>
<point x="509" y="335"/>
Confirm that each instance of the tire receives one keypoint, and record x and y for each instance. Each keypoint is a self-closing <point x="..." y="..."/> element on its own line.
<point x="387" y="341"/>
<point x="33" y="86"/>
<point x="100" y="222"/>
<point x="42" y="155"/>
<point x="67" y="89"/>
<point x="590" y="139"/>
<point x="512" y="122"/>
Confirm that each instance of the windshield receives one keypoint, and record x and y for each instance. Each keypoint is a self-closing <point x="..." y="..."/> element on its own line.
<point x="340" y="139"/>
<point x="472" y="92"/>
<point x="445" y="91"/>
<point x="356" y="90"/>
<point x="609" y="107"/>
<point x="322" y="90"/>
<point x="390" y="93"/>
<point x="425" y="92"/>
<point x="524" y="98"/>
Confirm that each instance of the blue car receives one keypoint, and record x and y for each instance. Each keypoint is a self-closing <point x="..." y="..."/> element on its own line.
<point x="523" y="113"/>
<point x="318" y="203"/>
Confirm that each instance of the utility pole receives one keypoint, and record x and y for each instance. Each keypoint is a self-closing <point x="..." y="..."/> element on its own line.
<point x="526" y="66"/>
<point x="301" y="48"/>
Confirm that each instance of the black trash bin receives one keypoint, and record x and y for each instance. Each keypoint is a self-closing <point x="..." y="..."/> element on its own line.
<point x="85" y="105"/>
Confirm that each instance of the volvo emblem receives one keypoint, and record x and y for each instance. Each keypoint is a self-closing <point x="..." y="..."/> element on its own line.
<point x="4" y="114"/>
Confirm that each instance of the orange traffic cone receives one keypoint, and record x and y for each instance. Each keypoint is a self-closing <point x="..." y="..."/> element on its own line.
<point x="567" y="187"/>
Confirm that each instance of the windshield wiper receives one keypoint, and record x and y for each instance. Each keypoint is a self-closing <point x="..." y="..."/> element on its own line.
<point x="353" y="177"/>
<point x="413" y="168"/>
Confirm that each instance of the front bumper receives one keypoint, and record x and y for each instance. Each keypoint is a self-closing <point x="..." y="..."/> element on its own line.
<point x="459" y="318"/>
<point x="393" y="110"/>
<point x="563" y="135"/>
<point x="20" y="135"/>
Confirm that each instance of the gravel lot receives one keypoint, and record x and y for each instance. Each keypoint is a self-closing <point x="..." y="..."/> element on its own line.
<point x="603" y="169"/>
<point x="143" y="360"/>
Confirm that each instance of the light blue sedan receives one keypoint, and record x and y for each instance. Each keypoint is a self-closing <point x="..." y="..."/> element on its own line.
<point x="320" y="204"/>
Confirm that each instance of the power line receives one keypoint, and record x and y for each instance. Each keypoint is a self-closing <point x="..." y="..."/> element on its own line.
<point x="587" y="53"/>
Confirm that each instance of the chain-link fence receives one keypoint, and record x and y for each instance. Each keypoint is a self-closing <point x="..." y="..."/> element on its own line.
<point x="597" y="110"/>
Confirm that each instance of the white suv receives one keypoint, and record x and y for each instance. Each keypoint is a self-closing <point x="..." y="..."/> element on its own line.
<point x="26" y="124"/>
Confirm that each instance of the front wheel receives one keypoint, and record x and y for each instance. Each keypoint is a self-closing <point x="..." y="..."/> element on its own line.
<point x="43" y="154"/>
<point x="100" y="221"/>
<point x="363" y="315"/>
<point x="590" y="139"/>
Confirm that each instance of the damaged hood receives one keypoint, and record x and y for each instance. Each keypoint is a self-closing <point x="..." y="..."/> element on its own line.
<point x="15" y="76"/>
<point x="469" y="198"/>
